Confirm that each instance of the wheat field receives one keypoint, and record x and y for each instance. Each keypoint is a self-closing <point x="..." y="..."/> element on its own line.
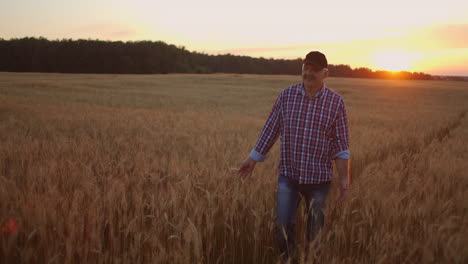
<point x="139" y="169"/>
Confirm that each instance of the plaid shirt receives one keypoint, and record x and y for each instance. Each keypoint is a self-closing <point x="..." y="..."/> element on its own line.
<point x="313" y="129"/>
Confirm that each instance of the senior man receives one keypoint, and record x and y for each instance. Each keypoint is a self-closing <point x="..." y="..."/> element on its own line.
<point x="312" y="122"/>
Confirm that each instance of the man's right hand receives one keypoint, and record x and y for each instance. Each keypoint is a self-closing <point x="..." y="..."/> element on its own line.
<point x="246" y="168"/>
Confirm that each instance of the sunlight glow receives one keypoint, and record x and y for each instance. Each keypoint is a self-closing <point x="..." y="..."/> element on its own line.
<point x="394" y="60"/>
<point x="360" y="33"/>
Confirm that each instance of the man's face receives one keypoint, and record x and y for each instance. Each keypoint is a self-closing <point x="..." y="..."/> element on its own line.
<point x="313" y="74"/>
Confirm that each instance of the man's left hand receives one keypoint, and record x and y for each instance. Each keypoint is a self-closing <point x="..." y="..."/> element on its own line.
<point x="343" y="190"/>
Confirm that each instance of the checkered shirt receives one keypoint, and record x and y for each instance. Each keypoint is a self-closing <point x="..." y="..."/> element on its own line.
<point x="313" y="130"/>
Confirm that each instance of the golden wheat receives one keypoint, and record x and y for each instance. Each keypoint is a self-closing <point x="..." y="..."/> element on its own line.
<point x="137" y="169"/>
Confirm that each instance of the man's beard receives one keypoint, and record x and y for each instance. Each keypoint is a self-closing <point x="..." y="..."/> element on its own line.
<point x="309" y="77"/>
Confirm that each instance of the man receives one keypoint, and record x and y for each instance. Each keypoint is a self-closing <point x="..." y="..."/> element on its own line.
<point x="312" y="122"/>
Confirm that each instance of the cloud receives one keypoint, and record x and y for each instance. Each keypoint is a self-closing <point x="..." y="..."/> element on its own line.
<point x="264" y="49"/>
<point x="437" y="49"/>
<point x="422" y="38"/>
<point x="108" y="31"/>
<point x="450" y="36"/>
<point x="123" y="33"/>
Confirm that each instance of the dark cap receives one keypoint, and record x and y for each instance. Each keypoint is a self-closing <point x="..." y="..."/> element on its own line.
<point x="316" y="58"/>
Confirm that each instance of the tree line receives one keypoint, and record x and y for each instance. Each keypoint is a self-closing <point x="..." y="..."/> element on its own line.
<point x="31" y="54"/>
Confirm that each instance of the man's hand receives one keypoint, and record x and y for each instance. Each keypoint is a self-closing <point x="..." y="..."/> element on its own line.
<point x="246" y="168"/>
<point x="343" y="189"/>
<point x="343" y="171"/>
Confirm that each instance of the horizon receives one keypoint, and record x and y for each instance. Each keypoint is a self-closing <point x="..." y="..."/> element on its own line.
<point x="359" y="34"/>
<point x="223" y="54"/>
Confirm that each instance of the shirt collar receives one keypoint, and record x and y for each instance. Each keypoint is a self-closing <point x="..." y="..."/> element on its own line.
<point x="319" y="94"/>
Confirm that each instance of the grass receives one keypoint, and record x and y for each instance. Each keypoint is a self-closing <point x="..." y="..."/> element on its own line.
<point x="136" y="169"/>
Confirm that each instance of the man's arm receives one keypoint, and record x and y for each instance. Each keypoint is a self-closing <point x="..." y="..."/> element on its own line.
<point x="342" y="165"/>
<point x="341" y="149"/>
<point x="269" y="134"/>
<point x="266" y="140"/>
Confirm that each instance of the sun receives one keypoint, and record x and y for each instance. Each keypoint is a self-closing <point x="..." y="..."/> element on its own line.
<point x="394" y="60"/>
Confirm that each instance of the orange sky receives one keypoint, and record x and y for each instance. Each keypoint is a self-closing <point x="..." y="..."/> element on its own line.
<point x="428" y="36"/>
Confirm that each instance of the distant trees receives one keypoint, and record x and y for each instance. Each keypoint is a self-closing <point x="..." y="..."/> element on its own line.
<point x="95" y="56"/>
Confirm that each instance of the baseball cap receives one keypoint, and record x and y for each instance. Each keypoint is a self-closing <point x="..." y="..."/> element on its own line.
<point x="316" y="58"/>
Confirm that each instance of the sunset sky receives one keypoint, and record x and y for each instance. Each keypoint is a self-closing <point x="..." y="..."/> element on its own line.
<point x="423" y="36"/>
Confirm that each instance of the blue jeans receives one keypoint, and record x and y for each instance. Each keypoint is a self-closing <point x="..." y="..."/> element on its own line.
<point x="288" y="197"/>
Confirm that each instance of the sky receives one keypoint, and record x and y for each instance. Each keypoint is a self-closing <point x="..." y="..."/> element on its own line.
<point x="413" y="35"/>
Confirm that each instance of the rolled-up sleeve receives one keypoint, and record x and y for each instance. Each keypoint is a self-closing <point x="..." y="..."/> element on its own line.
<point x="340" y="134"/>
<point x="269" y="134"/>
